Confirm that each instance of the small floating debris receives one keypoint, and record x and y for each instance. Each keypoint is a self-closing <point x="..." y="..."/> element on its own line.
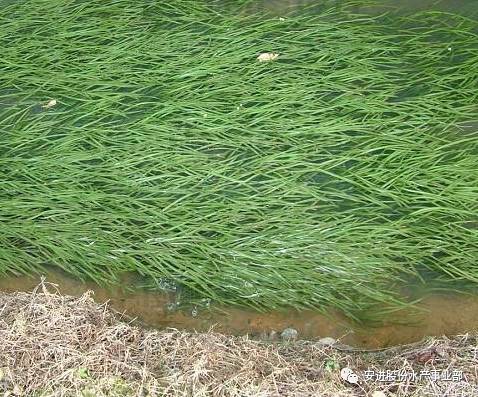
<point x="267" y="56"/>
<point x="49" y="104"/>
<point x="194" y="312"/>
<point x="171" y="307"/>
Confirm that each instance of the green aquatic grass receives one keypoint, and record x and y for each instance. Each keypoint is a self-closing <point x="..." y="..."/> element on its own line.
<point x="322" y="179"/>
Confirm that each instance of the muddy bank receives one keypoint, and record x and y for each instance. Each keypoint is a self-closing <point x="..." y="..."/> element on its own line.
<point x="447" y="314"/>
<point x="56" y="345"/>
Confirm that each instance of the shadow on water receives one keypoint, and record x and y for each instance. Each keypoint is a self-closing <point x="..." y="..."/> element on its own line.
<point x="442" y="314"/>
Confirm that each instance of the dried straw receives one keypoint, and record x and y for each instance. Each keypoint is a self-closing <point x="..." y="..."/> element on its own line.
<point x="54" y="345"/>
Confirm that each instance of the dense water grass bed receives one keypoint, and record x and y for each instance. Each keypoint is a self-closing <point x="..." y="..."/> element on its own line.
<point x="147" y="137"/>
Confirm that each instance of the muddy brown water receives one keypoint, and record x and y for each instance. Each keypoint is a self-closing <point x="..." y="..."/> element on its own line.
<point x="442" y="314"/>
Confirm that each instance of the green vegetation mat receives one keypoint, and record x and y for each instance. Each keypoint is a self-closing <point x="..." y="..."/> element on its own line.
<point x="146" y="136"/>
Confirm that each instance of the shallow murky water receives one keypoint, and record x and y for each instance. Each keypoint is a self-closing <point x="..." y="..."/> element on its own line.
<point x="443" y="314"/>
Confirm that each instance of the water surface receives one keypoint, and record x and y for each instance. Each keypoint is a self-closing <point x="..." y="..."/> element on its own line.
<point x="465" y="7"/>
<point x="442" y="314"/>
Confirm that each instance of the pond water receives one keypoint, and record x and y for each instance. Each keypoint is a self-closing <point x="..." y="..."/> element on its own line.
<point x="447" y="314"/>
<point x="442" y="313"/>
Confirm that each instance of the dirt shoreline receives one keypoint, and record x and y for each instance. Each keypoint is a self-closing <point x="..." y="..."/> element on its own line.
<point x="57" y="345"/>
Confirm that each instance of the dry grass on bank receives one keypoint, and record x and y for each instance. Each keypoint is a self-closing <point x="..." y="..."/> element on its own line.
<point x="54" y="345"/>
